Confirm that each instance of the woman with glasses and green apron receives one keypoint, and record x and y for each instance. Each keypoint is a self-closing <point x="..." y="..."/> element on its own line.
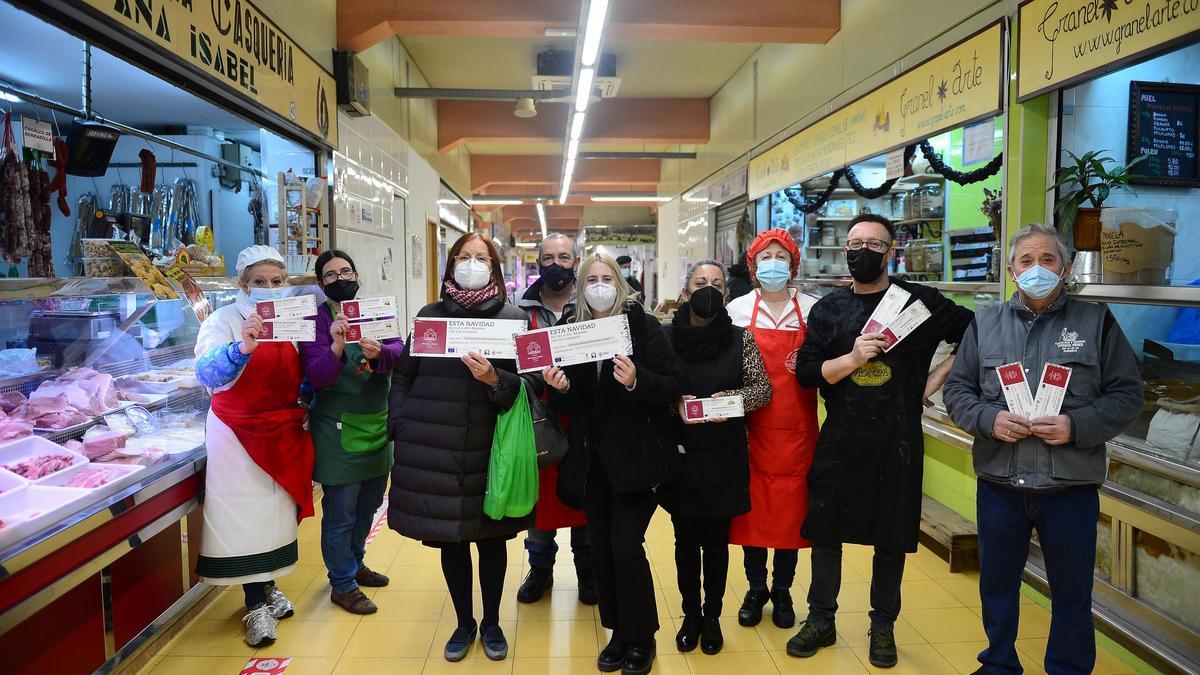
<point x="348" y="422"/>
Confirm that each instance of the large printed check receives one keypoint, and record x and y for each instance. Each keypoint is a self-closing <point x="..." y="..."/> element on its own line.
<point x="454" y="338"/>
<point x="573" y="343"/>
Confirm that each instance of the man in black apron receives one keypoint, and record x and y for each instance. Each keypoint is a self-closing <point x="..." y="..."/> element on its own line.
<point x="865" y="482"/>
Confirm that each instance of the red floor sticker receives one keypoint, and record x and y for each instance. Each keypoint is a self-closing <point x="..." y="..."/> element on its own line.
<point x="380" y="520"/>
<point x="266" y="666"/>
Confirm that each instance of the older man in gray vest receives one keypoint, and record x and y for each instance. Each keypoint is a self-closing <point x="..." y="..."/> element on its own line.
<point x="1041" y="461"/>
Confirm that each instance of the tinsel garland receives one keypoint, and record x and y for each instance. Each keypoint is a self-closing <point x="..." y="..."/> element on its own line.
<point x="811" y="205"/>
<point x="885" y="187"/>
<point x="962" y="178"/>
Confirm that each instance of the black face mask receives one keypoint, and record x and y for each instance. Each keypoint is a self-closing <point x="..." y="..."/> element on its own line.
<point x="341" y="290"/>
<point x="706" y="302"/>
<point x="556" y="277"/>
<point x="865" y="265"/>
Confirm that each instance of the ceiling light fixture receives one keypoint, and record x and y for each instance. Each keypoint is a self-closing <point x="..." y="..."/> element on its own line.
<point x="561" y="32"/>
<point x="630" y="198"/>
<point x="577" y="125"/>
<point x="572" y="148"/>
<point x="541" y="211"/>
<point x="525" y="108"/>
<point x="583" y="95"/>
<point x="597" y="12"/>
<point x="483" y="201"/>
<point x="526" y="244"/>
<point x="5" y="96"/>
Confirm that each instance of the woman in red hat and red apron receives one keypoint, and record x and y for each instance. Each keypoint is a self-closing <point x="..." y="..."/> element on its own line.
<point x="258" y="484"/>
<point x="783" y="435"/>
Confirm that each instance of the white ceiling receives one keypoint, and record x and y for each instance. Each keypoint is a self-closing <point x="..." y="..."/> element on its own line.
<point x="46" y="61"/>
<point x="648" y="69"/>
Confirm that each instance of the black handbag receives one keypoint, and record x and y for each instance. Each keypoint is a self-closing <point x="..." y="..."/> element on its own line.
<point x="548" y="434"/>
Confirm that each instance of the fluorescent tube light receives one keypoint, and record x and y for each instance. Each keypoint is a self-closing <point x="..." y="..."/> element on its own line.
<point x="583" y="94"/>
<point x="483" y="201"/>
<point x="541" y="211"/>
<point x="630" y="198"/>
<point x="593" y="30"/>
<point x="577" y="125"/>
<point x="572" y="148"/>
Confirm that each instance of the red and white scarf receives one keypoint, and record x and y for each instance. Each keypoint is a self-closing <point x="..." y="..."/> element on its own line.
<point x="470" y="299"/>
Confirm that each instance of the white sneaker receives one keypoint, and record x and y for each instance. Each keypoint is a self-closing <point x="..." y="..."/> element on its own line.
<point x="260" y="626"/>
<point x="283" y="606"/>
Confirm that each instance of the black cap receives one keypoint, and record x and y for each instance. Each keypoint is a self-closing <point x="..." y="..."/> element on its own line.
<point x="624" y="260"/>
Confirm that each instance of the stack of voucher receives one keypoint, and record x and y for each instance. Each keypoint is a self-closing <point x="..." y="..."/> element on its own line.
<point x="559" y="346"/>
<point x="371" y="319"/>
<point x="893" y="319"/>
<point x="284" y="320"/>
<point x="1051" y="390"/>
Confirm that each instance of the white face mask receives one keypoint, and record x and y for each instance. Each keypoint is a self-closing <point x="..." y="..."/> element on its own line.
<point x="600" y="296"/>
<point x="472" y="275"/>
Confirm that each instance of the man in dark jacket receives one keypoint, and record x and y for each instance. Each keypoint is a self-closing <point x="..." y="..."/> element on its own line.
<point x="1042" y="468"/>
<point x="626" y="264"/>
<point x="549" y="302"/>
<point x="865" y="482"/>
<point x="739" y="278"/>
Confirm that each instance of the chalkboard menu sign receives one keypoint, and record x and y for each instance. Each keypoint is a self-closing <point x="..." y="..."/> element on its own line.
<point x="1164" y="123"/>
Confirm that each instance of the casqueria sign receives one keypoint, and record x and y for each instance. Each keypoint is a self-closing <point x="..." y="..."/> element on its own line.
<point x="959" y="85"/>
<point x="1061" y="42"/>
<point x="234" y="43"/>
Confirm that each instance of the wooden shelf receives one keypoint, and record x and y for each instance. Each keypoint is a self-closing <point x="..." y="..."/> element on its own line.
<point x="910" y="221"/>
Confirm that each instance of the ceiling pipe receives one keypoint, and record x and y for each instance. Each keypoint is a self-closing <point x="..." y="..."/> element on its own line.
<point x="479" y="94"/>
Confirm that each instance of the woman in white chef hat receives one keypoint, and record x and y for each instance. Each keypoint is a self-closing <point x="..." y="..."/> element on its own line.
<point x="260" y="458"/>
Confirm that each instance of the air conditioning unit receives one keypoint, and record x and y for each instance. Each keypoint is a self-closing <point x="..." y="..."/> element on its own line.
<point x="352" y="84"/>
<point x="556" y="67"/>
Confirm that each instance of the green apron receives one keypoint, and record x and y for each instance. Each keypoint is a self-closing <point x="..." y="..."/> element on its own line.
<point x="348" y="422"/>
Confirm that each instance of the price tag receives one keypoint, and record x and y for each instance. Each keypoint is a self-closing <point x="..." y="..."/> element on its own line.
<point x="895" y="164"/>
<point x="37" y="135"/>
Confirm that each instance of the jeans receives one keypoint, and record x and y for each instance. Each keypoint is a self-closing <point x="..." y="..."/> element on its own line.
<point x="887" y="569"/>
<point x="347" y="512"/>
<point x="617" y="523"/>
<point x="783" y="571"/>
<point x="543" y="549"/>
<point x="1066" y="526"/>
<point x="696" y="537"/>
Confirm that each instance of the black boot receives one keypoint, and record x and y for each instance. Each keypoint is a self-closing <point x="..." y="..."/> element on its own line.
<point x="688" y="636"/>
<point x="639" y="659"/>
<point x="535" y="585"/>
<point x="782" y="613"/>
<point x="711" y="639"/>
<point x="587" y="586"/>
<point x="612" y="656"/>
<point x="751" y="612"/>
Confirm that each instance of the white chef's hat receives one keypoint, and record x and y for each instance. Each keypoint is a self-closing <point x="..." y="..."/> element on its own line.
<point x="252" y="255"/>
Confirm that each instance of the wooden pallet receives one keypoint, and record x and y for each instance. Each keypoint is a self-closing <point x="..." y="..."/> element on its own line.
<point x="951" y="536"/>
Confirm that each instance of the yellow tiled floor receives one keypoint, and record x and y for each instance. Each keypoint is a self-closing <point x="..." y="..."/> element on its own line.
<point x="939" y="631"/>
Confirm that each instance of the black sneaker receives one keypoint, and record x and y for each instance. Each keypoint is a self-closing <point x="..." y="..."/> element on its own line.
<point x="587" y="586"/>
<point x="883" y="647"/>
<point x="782" y="613"/>
<point x="612" y="656"/>
<point x="535" y="585"/>
<point x="711" y="639"/>
<point x="688" y="637"/>
<point x="811" y="638"/>
<point x="639" y="659"/>
<point x="751" y="612"/>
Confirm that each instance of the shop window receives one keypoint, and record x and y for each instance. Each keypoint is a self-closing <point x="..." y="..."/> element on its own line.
<point x="1167" y="577"/>
<point x="1158" y="486"/>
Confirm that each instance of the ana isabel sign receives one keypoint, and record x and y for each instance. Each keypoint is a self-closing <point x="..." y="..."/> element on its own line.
<point x="234" y="43"/>
<point x="962" y="84"/>
<point x="1064" y="41"/>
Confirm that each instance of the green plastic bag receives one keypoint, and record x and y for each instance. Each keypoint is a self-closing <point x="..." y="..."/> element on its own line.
<point x="512" y="482"/>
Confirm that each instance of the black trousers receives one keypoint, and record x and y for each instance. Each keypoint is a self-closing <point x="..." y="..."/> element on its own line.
<point x="783" y="571"/>
<point x="617" y="525"/>
<point x="697" y="538"/>
<point x="456" y="568"/>
<point x="887" y="569"/>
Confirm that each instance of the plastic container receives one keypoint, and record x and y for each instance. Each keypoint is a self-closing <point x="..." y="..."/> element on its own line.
<point x="11" y="482"/>
<point x="127" y="474"/>
<point x="15" y="452"/>
<point x="26" y="512"/>
<point x="153" y="382"/>
<point x="1137" y="246"/>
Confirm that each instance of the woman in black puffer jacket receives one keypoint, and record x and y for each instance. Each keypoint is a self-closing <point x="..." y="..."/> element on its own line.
<point x="620" y="455"/>
<point x="442" y="415"/>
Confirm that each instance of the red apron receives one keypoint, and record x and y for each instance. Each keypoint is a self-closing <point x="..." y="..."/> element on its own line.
<point x="783" y="436"/>
<point x="552" y="514"/>
<point x="261" y="410"/>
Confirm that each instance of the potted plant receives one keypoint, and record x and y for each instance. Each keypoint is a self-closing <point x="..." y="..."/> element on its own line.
<point x="1094" y="181"/>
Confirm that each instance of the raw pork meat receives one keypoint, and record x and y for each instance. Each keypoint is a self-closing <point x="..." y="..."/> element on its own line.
<point x="100" y="440"/>
<point x="15" y="427"/>
<point x="40" y="467"/>
<point x="93" y="477"/>
<point x="75" y="395"/>
<point x="61" y="420"/>
<point x="98" y="385"/>
<point x="10" y="400"/>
